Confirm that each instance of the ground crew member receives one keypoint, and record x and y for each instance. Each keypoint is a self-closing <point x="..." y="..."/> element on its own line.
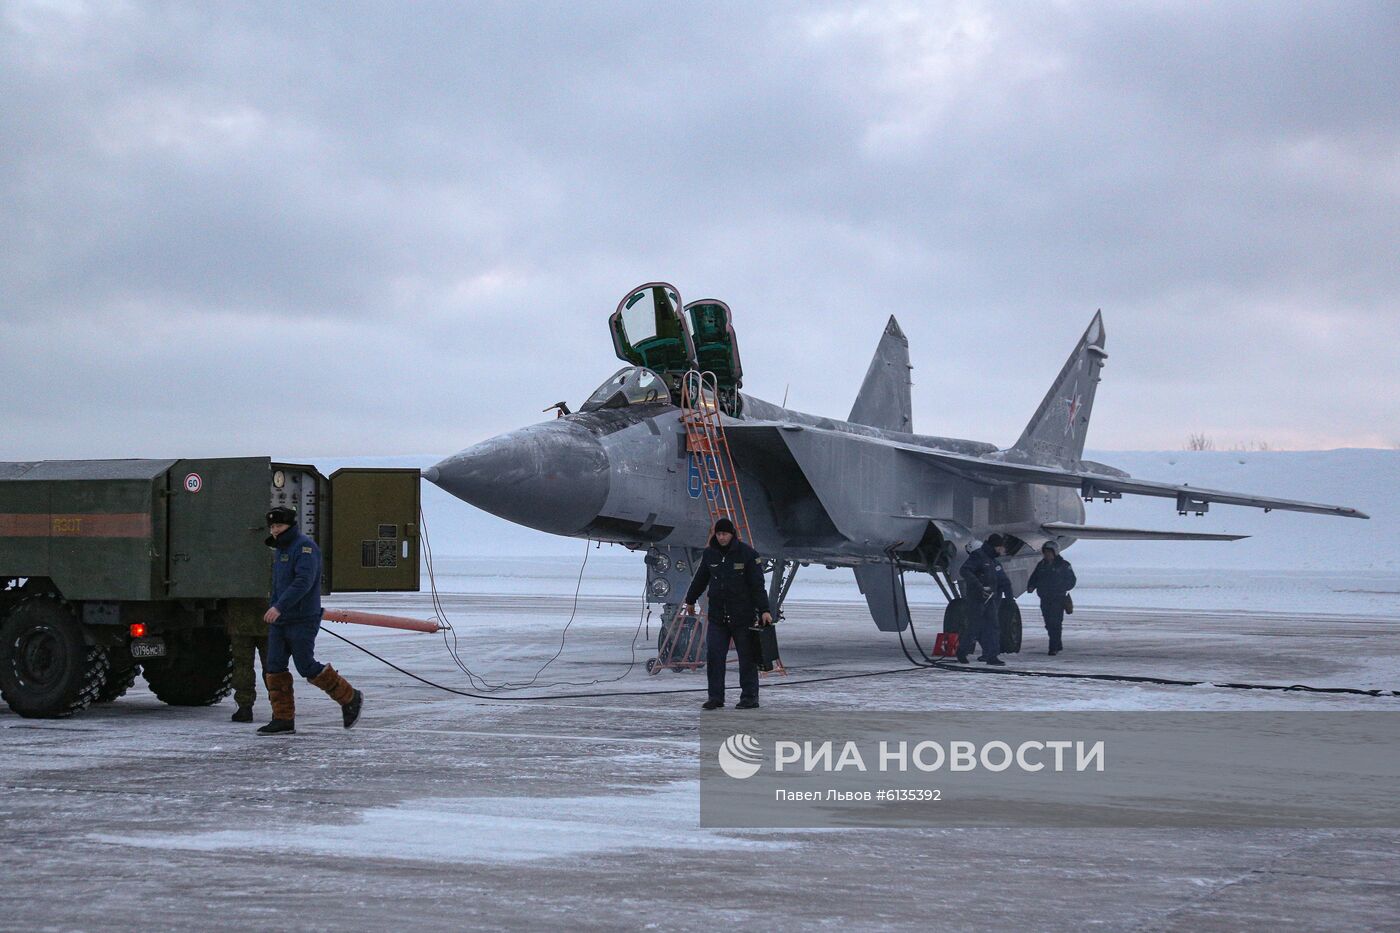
<point x="294" y="618"/>
<point x="985" y="584"/>
<point x="1052" y="579"/>
<point x="247" y="636"/>
<point x="731" y="571"/>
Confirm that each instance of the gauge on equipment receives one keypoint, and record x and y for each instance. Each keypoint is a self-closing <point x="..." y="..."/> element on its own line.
<point x="279" y="479"/>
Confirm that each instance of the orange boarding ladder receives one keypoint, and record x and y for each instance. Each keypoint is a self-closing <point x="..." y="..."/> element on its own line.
<point x="719" y="482"/>
<point x="704" y="437"/>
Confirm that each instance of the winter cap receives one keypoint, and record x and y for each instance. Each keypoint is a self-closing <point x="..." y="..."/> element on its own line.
<point x="724" y="525"/>
<point x="282" y="516"/>
<point x="995" y="541"/>
<point x="1050" y="546"/>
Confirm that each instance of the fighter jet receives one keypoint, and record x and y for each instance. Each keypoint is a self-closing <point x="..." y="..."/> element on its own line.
<point x="865" y="492"/>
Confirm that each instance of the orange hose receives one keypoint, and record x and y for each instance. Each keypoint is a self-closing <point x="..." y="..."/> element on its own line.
<point x="383" y="621"/>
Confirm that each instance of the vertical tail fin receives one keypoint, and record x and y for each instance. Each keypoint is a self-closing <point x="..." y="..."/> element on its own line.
<point x="884" y="399"/>
<point x="1055" y="434"/>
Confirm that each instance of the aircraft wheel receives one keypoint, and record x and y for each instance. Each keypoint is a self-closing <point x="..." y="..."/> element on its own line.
<point x="955" y="616"/>
<point x="1010" y="627"/>
<point x="685" y="644"/>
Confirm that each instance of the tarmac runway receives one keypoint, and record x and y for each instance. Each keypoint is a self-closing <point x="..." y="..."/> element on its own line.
<point x="440" y="812"/>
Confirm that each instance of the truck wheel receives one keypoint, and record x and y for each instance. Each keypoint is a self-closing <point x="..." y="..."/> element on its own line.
<point x="47" y="671"/>
<point x="1010" y="627"/>
<point x="121" y="675"/>
<point x="197" y="669"/>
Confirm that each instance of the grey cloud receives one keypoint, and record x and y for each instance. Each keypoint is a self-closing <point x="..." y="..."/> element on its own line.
<point x="431" y="209"/>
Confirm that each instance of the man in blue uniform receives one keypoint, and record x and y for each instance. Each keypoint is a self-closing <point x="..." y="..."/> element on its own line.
<point x="985" y="584"/>
<point x="733" y="575"/>
<point x="1052" y="579"/>
<point x="293" y="619"/>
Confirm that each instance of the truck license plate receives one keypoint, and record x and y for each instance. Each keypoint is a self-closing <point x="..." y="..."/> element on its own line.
<point x="148" y="647"/>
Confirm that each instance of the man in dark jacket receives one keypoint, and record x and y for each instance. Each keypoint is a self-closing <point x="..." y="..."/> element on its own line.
<point x="1052" y="579"/>
<point x="731" y="571"/>
<point x="985" y="584"/>
<point x="293" y="620"/>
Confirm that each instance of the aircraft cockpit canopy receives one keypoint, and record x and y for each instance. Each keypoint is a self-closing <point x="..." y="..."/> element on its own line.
<point x="631" y="385"/>
<point x="649" y="329"/>
<point x="652" y="329"/>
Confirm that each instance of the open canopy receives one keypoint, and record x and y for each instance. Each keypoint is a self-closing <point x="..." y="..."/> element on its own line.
<point x="716" y="347"/>
<point x="649" y="329"/>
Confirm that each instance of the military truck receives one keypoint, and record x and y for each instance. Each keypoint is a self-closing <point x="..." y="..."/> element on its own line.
<point x="110" y="568"/>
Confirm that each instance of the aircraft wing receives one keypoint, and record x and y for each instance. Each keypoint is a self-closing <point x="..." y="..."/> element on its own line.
<point x="1188" y="498"/>
<point x="1101" y="533"/>
<point x="1091" y="485"/>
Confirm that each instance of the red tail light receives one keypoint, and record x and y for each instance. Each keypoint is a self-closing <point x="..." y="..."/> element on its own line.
<point x="138" y="630"/>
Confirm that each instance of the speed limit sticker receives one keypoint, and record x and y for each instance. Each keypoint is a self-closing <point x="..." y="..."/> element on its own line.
<point x="194" y="483"/>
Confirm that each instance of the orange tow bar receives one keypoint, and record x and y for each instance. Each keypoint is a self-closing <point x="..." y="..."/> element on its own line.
<point x="383" y="621"/>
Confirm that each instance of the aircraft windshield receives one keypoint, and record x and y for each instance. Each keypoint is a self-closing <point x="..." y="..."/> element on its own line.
<point x="629" y="386"/>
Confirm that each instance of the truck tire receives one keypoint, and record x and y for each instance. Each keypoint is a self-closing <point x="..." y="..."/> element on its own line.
<point x="47" y="670"/>
<point x="121" y="675"/>
<point x="197" y="669"/>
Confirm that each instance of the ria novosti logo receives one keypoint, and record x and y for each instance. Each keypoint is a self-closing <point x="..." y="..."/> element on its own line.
<point x="740" y="756"/>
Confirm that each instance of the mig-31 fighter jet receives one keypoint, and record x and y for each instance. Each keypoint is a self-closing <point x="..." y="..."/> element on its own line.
<point x="670" y="441"/>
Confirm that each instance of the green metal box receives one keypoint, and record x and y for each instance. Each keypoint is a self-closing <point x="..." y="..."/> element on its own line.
<point x="136" y="529"/>
<point x="143" y="530"/>
<point x="374" y="530"/>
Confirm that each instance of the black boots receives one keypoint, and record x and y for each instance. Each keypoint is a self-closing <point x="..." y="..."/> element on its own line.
<point x="279" y="727"/>
<point x="242" y="714"/>
<point x="719" y="704"/>
<point x="350" y="712"/>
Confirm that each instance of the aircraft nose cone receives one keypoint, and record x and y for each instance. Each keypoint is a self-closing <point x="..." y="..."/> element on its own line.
<point x="551" y="476"/>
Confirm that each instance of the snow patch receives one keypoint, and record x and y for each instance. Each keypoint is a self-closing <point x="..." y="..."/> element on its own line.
<point x="486" y="829"/>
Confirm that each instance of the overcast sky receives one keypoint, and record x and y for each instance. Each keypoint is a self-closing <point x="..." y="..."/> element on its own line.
<point x="341" y="229"/>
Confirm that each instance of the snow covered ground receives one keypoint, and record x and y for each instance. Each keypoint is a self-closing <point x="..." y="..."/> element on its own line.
<point x="445" y="812"/>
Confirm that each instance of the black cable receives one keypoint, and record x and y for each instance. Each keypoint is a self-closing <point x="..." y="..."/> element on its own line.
<point x="895" y="583"/>
<point x="479" y="682"/>
<point x="896" y="580"/>
<point x="1161" y="681"/>
<point x="611" y="693"/>
<point x="910" y="609"/>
